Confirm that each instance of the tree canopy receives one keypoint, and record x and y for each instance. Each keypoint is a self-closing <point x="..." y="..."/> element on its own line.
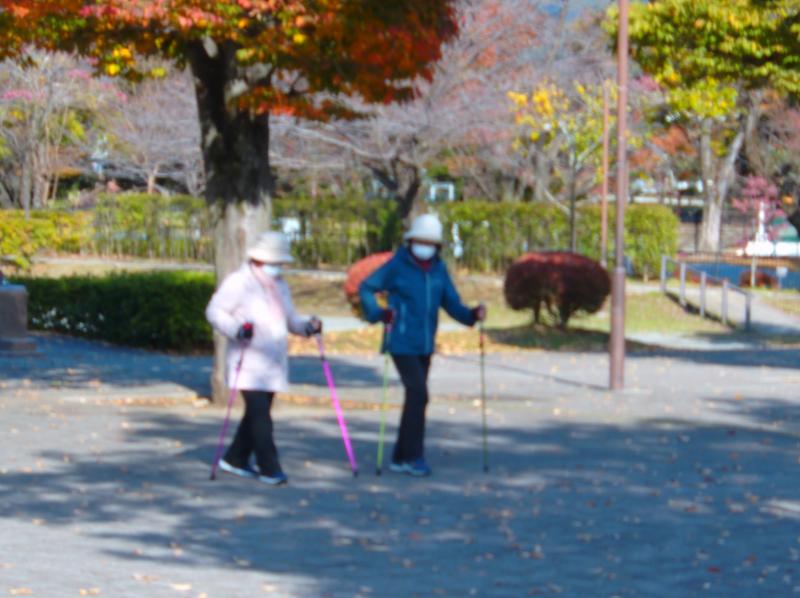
<point x="681" y="43"/>
<point x="283" y="50"/>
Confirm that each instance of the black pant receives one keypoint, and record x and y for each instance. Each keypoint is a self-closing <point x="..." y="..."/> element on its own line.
<point x="413" y="370"/>
<point x="254" y="434"/>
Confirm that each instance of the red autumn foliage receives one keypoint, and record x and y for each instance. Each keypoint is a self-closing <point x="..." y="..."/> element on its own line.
<point x="358" y="272"/>
<point x="562" y="282"/>
<point x="763" y="280"/>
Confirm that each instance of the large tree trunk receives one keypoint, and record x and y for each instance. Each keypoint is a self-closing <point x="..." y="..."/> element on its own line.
<point x="712" y="212"/>
<point x="541" y="181"/>
<point x="239" y="181"/>
<point x="717" y="186"/>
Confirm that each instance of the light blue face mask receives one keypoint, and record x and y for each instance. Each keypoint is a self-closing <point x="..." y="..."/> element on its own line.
<point x="423" y="252"/>
<point x="272" y="270"/>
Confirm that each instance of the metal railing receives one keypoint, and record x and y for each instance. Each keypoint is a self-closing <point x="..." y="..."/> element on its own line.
<point x="705" y="281"/>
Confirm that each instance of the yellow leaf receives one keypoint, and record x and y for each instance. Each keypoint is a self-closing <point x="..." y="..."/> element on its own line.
<point x="112" y="69"/>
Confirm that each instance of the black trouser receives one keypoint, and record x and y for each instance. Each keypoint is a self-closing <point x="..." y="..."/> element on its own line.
<point x="254" y="434"/>
<point x="413" y="370"/>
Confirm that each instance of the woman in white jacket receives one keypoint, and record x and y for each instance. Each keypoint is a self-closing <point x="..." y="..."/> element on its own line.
<point x="253" y="308"/>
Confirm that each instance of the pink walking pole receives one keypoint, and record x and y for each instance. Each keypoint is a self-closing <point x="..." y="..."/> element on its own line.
<point x="224" y="431"/>
<point x="339" y="415"/>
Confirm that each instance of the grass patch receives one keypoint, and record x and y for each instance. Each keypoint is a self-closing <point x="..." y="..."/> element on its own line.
<point x="320" y="296"/>
<point x="653" y="312"/>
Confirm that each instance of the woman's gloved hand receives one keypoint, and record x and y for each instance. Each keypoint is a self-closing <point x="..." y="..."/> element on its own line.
<point x="313" y="326"/>
<point x="245" y="332"/>
<point x="479" y="313"/>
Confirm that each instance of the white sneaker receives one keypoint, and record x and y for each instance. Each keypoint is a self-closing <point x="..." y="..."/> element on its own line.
<point x="398" y="467"/>
<point x="277" y="479"/>
<point x="242" y="472"/>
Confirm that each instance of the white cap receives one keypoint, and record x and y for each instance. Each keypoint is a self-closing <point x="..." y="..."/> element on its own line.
<point x="427" y="227"/>
<point x="271" y="248"/>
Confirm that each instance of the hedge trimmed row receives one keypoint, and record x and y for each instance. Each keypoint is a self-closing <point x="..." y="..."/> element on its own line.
<point x="491" y="235"/>
<point x="154" y="310"/>
<point x="132" y="224"/>
<point x="338" y="231"/>
<point x="21" y="238"/>
<point x="487" y="236"/>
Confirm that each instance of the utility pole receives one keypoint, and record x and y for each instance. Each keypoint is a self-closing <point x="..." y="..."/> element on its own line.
<point x="617" y="343"/>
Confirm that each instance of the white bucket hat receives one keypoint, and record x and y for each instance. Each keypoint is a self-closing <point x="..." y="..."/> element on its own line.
<point x="271" y="248"/>
<point x="427" y="227"/>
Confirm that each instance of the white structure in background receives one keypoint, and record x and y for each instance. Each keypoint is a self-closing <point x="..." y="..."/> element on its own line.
<point x="290" y="227"/>
<point x="441" y="191"/>
<point x="457" y="245"/>
<point x="761" y="246"/>
<point x="771" y="249"/>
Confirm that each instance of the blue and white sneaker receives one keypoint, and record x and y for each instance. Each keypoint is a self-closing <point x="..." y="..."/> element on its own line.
<point x="397" y="467"/>
<point x="243" y="472"/>
<point x="417" y="468"/>
<point x="276" y="479"/>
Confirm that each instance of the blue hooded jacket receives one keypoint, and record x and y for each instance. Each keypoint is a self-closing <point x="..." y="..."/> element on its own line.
<point x="415" y="295"/>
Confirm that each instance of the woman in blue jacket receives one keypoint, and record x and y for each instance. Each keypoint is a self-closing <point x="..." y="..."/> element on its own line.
<point x="417" y="283"/>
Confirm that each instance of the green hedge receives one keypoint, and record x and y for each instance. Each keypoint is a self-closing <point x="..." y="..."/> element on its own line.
<point x="494" y="234"/>
<point x="338" y="231"/>
<point x="650" y="231"/>
<point x="21" y="238"/>
<point x="142" y="225"/>
<point x="133" y="224"/>
<point x="155" y="310"/>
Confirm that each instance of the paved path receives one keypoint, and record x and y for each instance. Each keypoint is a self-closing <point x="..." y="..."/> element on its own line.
<point x="684" y="485"/>
<point x="765" y="319"/>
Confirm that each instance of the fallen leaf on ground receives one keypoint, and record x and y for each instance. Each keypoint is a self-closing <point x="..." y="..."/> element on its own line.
<point x="181" y="587"/>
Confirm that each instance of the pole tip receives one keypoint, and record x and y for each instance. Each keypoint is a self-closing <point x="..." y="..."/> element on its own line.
<point x="212" y="477"/>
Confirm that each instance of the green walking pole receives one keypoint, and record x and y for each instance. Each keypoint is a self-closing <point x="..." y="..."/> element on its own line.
<point x="384" y="400"/>
<point x="483" y="401"/>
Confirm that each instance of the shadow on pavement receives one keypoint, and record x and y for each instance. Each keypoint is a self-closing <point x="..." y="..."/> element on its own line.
<point x="660" y="508"/>
<point x="755" y="356"/>
<point x="74" y="363"/>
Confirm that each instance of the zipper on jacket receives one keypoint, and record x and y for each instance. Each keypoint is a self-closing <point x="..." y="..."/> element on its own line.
<point x="428" y="339"/>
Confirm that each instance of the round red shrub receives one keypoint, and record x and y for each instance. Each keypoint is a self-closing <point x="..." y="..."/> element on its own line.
<point x="358" y="272"/>
<point x="763" y="280"/>
<point x="564" y="283"/>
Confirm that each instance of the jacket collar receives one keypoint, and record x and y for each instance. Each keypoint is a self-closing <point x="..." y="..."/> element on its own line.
<point x="406" y="255"/>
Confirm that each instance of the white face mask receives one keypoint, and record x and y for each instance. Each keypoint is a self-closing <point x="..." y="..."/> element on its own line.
<point x="272" y="270"/>
<point x="423" y="252"/>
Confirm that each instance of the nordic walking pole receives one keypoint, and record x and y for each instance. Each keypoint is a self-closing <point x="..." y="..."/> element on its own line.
<point x="383" y="403"/>
<point x="224" y="431"/>
<point x="483" y="401"/>
<point x="335" y="400"/>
